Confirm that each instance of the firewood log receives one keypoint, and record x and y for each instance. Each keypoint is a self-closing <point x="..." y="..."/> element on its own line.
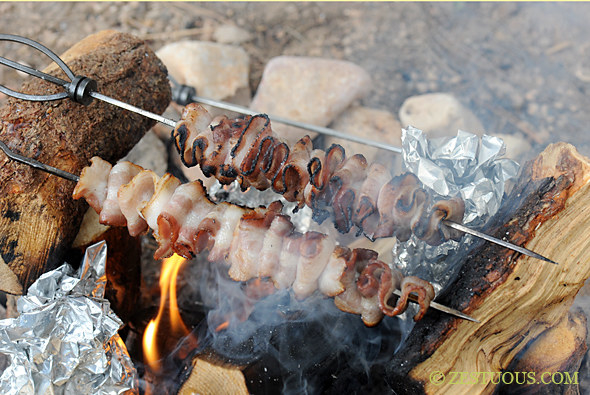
<point x="515" y="297"/>
<point x="38" y="218"/>
<point x="209" y="379"/>
<point x="554" y="357"/>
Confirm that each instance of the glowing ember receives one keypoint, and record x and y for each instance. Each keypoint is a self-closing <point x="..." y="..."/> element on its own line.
<point x="222" y="326"/>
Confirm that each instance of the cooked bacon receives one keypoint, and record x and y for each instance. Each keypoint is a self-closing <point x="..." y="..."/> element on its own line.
<point x="329" y="282"/>
<point x="366" y="214"/>
<point x="293" y="176"/>
<point x="272" y="245"/>
<point x="95" y="189"/>
<point x="429" y="228"/>
<point x="254" y="243"/>
<point x="315" y="251"/>
<point x="132" y="199"/>
<point x="188" y="134"/>
<point x="120" y="175"/>
<point x="422" y="289"/>
<point x="332" y="185"/>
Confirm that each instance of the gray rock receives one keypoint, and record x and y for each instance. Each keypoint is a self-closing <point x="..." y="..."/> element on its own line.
<point x="517" y="147"/>
<point x="149" y="153"/>
<point x="312" y="90"/>
<point x="378" y="125"/>
<point x="231" y="34"/>
<point x="217" y="71"/>
<point x="438" y="114"/>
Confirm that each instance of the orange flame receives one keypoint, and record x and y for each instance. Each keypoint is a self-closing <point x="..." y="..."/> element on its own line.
<point x="168" y="301"/>
<point x="222" y="326"/>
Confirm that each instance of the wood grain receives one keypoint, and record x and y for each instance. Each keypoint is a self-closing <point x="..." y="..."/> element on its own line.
<point x="515" y="297"/>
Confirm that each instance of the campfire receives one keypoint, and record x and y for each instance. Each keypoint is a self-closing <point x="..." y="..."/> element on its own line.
<point x="276" y="278"/>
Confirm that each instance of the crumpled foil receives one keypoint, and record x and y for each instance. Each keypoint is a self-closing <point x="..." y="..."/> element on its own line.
<point x="65" y="339"/>
<point x="465" y="166"/>
<point x="300" y="217"/>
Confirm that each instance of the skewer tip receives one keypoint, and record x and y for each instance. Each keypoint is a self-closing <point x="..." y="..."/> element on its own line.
<point x="497" y="241"/>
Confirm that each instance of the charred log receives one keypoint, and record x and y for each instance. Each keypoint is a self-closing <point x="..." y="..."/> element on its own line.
<point x="516" y="298"/>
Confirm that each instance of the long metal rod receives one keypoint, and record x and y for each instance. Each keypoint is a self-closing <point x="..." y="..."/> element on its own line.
<point x="72" y="177"/>
<point x="31" y="71"/>
<point x="303" y="125"/>
<point x="439" y="307"/>
<point x="132" y="108"/>
<point x="38" y="165"/>
<point x="522" y="250"/>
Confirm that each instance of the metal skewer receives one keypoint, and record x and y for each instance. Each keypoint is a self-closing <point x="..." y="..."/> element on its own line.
<point x="38" y="165"/>
<point x="440" y="307"/>
<point x="83" y="89"/>
<point x="522" y="250"/>
<point x="72" y="177"/>
<point x="185" y="94"/>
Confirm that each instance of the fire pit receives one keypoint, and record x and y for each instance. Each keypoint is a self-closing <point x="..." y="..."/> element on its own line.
<point x="223" y="314"/>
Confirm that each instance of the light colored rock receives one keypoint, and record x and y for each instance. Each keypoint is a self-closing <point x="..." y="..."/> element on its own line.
<point x="217" y="71"/>
<point x="517" y="147"/>
<point x="438" y="114"/>
<point x="311" y="90"/>
<point x="231" y="34"/>
<point x="370" y="123"/>
<point x="149" y="153"/>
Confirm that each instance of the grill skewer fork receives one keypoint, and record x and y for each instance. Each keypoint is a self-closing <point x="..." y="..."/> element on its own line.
<point x="83" y="90"/>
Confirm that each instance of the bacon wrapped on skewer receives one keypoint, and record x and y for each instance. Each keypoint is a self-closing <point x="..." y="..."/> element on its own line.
<point x="348" y="190"/>
<point x="254" y="243"/>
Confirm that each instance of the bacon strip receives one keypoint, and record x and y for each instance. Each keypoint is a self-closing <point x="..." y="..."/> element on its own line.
<point x="254" y="243"/>
<point x="121" y="174"/>
<point x="95" y="192"/>
<point x="345" y="189"/>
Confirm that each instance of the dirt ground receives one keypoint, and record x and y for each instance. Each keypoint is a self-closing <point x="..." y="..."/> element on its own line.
<point x="522" y="68"/>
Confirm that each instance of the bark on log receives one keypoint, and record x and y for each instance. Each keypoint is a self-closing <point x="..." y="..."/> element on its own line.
<point x="515" y="297"/>
<point x="38" y="218"/>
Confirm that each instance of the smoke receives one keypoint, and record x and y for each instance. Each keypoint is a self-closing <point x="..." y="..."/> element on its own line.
<point x="283" y="344"/>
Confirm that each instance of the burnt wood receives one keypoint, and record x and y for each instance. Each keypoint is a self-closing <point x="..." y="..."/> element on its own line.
<point x="516" y="298"/>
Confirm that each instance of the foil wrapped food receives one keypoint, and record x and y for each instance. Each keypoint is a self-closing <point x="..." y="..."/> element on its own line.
<point x="467" y="166"/>
<point x="65" y="339"/>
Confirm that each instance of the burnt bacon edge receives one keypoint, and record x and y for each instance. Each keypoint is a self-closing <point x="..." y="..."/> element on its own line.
<point x="322" y="181"/>
<point x="159" y="211"/>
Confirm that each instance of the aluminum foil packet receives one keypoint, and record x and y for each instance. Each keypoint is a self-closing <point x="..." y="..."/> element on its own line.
<point x="465" y="166"/>
<point x="65" y="339"/>
<point x="300" y="217"/>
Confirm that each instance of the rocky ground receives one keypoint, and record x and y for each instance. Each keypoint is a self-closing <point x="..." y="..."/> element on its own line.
<point x="522" y="69"/>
